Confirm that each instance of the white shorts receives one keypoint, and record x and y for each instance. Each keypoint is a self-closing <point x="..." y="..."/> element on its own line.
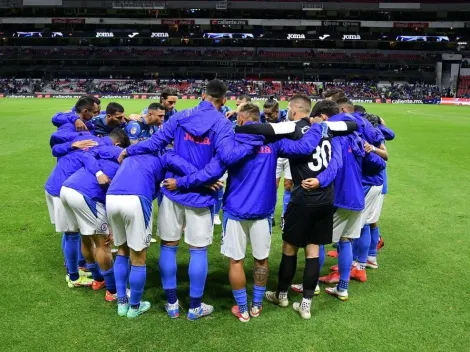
<point x="57" y="213"/>
<point x="235" y="235"/>
<point x="198" y="223"/>
<point x="88" y="218"/>
<point x="131" y="220"/>
<point x="283" y="166"/>
<point x="373" y="207"/>
<point x="346" y="223"/>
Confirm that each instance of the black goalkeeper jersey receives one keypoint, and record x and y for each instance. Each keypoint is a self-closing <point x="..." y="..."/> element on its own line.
<point x="310" y="167"/>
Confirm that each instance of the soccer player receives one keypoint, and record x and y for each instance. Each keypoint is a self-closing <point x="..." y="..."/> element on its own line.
<point x="168" y="99"/>
<point x="84" y="110"/>
<point x="232" y="114"/>
<point x="250" y="219"/>
<point x="146" y="125"/>
<point x="376" y="240"/>
<point x="99" y="126"/>
<point x="129" y="207"/>
<point x="309" y="216"/>
<point x="349" y="202"/>
<point x="83" y="196"/>
<point x="373" y="185"/>
<point x="198" y="135"/>
<point x="70" y="159"/>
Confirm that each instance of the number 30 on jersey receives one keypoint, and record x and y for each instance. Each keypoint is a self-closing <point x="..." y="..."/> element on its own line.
<point x="321" y="156"/>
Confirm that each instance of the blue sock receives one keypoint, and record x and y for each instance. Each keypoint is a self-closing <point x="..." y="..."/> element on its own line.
<point x="137" y="279"/>
<point x="121" y="275"/>
<point x="285" y="201"/>
<point x="363" y="247"/>
<point x="168" y="271"/>
<point x="345" y="259"/>
<point x="241" y="299"/>
<point x="355" y="249"/>
<point x="71" y="249"/>
<point x="195" y="302"/>
<point x="63" y="243"/>
<point x="374" y="241"/>
<point x="95" y="271"/>
<point x="258" y="295"/>
<point x="198" y="268"/>
<point x="81" y="258"/>
<point x="321" y="256"/>
<point x="108" y="276"/>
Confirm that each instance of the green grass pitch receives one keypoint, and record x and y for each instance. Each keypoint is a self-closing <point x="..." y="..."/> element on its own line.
<point x="417" y="301"/>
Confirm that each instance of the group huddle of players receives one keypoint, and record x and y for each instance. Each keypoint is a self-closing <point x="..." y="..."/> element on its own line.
<point x="110" y="168"/>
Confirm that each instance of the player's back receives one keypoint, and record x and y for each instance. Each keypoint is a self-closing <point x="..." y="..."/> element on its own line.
<point x="138" y="175"/>
<point x="65" y="167"/>
<point x="251" y="185"/>
<point x="310" y="167"/>
<point x="86" y="183"/>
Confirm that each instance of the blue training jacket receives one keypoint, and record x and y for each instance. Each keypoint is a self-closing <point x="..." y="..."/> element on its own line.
<point x="103" y="158"/>
<point x="69" y="163"/>
<point x="389" y="136"/>
<point x="198" y="135"/>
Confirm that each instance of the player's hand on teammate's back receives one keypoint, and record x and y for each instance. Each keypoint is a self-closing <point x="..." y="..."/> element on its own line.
<point x="215" y="186"/>
<point x="80" y="126"/>
<point x="229" y="114"/>
<point x="84" y="144"/>
<point x="122" y="156"/>
<point x="103" y="180"/>
<point x="368" y="147"/>
<point x="311" y="184"/>
<point x="170" y="184"/>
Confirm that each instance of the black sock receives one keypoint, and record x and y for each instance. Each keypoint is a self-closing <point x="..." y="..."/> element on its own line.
<point x="286" y="272"/>
<point x="311" y="276"/>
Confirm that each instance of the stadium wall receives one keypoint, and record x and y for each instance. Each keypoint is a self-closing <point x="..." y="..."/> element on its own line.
<point x="145" y="96"/>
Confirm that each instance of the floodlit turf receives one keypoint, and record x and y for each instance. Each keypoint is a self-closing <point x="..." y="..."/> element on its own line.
<point x="417" y="301"/>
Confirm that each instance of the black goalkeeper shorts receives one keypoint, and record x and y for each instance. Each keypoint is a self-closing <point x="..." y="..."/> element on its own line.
<point x="308" y="225"/>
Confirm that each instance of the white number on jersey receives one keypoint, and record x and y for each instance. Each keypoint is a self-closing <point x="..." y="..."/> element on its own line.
<point x="321" y="156"/>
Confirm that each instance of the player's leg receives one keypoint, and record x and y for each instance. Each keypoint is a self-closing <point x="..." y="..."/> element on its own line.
<point x="218" y="206"/>
<point x="137" y="278"/>
<point x="198" y="235"/>
<point x="260" y="238"/>
<point x="363" y="242"/>
<point x="374" y="242"/>
<point x="310" y="280"/>
<point x="233" y="246"/>
<point x="297" y="223"/>
<point x="66" y="222"/>
<point x="375" y="235"/>
<point x="170" y="228"/>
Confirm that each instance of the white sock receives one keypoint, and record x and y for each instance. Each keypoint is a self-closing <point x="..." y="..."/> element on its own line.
<point x="306" y="304"/>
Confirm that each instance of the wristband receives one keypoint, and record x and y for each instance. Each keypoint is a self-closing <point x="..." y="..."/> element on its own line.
<point x="99" y="173"/>
<point x="373" y="149"/>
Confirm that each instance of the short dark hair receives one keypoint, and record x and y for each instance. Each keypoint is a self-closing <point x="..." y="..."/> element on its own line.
<point x="84" y="103"/>
<point x="95" y="99"/>
<point x="271" y="103"/>
<point x="216" y="89"/>
<point x="168" y="92"/>
<point x="359" y="108"/>
<point x="302" y="99"/>
<point x="156" y="106"/>
<point x="346" y="102"/>
<point x="120" y="137"/>
<point x="327" y="107"/>
<point x="373" y="119"/>
<point x="113" y="108"/>
<point x="245" y="97"/>
<point x="334" y="94"/>
<point x="252" y="110"/>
